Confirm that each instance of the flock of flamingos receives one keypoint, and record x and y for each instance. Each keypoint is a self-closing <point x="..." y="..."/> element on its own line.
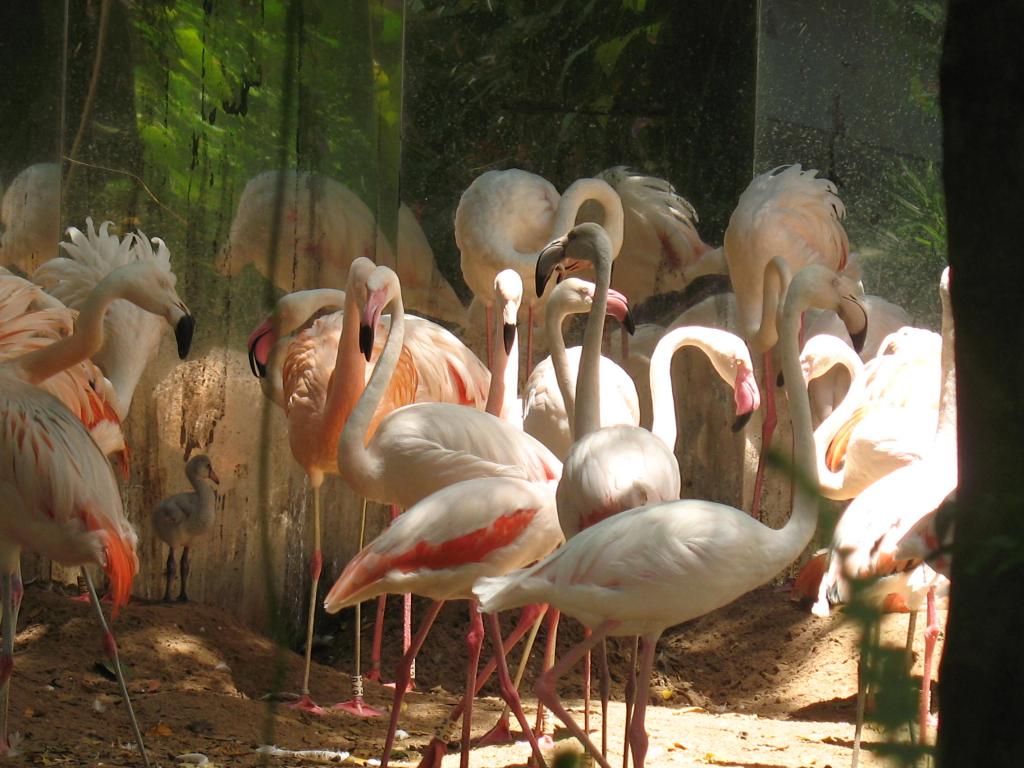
<point x="557" y="498"/>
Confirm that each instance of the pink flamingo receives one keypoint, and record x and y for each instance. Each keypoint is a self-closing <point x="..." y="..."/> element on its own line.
<point x="550" y="393"/>
<point x="65" y="499"/>
<point x="888" y="416"/>
<point x="422" y="448"/>
<point x="786" y="212"/>
<point x="439" y="548"/>
<point x="505" y="217"/>
<point x="868" y="534"/>
<point x="659" y="237"/>
<point x="32" y="320"/>
<point x="641" y="571"/>
<point x="828" y="390"/>
<point x="318" y="377"/>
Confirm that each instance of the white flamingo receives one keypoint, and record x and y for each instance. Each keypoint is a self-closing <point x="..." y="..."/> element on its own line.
<point x="505" y="217"/>
<point x="131" y="336"/>
<point x="789" y="213"/>
<point x="650" y="568"/>
<point x="438" y="549"/>
<point x="888" y="416"/>
<point x="422" y="448"/>
<point x="550" y="392"/>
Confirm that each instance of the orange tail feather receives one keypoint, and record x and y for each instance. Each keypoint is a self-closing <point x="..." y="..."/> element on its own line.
<point x="122" y="564"/>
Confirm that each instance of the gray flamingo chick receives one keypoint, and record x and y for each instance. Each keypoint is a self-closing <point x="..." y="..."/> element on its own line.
<point x="183" y="517"/>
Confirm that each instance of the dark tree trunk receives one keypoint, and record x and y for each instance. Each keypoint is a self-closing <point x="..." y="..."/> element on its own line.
<point x="982" y="102"/>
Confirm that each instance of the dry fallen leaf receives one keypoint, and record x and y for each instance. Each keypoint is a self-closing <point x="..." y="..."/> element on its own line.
<point x="161" y="729"/>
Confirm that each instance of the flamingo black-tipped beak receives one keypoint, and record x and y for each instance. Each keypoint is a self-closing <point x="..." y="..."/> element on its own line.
<point x="366" y="340"/>
<point x="509" y="336"/>
<point x="213" y="476"/>
<point x="183" y="335"/>
<point x="741" y="421"/>
<point x="549" y="258"/>
<point x="618" y="307"/>
<point x="855" y="317"/>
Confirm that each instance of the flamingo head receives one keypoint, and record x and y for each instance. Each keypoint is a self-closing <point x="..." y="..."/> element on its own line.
<point x="508" y="294"/>
<point x="150" y="286"/>
<point x="201" y="466"/>
<point x="261" y="341"/>
<point x="586" y="243"/>
<point x="745" y="393"/>
<point x="382" y="287"/>
<point x="574" y="296"/>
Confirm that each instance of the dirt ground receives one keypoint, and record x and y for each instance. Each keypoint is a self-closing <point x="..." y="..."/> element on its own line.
<point x="759" y="684"/>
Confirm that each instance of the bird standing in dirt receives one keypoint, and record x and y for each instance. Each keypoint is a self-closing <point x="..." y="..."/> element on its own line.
<point x="184" y="517"/>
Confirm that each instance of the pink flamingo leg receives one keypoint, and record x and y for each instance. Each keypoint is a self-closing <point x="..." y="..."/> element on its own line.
<point x="110" y="646"/>
<point x="305" y="703"/>
<point x="637" y="733"/>
<point x="586" y="687"/>
<point x="406" y="625"/>
<point x="606" y="686"/>
<point x="530" y="617"/>
<point x="547" y="694"/>
<point x="439" y="743"/>
<point x="767" y="430"/>
<point x="630" y="699"/>
<point x="6" y="659"/>
<point x="356" y="706"/>
<point x="402" y="678"/>
<point x="378" y="637"/>
<point x="474" y="640"/>
<point x="541" y="728"/>
<point x="508" y="690"/>
<point x="931" y="635"/>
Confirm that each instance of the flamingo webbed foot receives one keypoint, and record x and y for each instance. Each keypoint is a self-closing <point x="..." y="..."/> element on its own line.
<point x="306" y="704"/>
<point x="358" y="707"/>
<point x="499" y="734"/>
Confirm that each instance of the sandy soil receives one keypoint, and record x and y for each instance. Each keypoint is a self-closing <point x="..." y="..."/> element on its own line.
<point x="758" y="684"/>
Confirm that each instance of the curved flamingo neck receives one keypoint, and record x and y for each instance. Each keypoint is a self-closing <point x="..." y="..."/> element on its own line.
<point x="834" y="482"/>
<point x="663" y="405"/>
<point x="349" y="374"/>
<point x="791" y="539"/>
<point x="86" y="340"/>
<point x="502" y="399"/>
<point x="358" y="465"/>
<point x="776" y="283"/>
<point x="588" y="382"/>
<point x="600" y="191"/>
<point x="553" y="319"/>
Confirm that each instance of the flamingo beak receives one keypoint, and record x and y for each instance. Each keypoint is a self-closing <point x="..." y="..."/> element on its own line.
<point x="375" y="301"/>
<point x="183" y="331"/>
<point x="213" y="476"/>
<point x="855" y="317"/>
<point x="618" y="307"/>
<point x="550" y="257"/>
<point x="259" y="344"/>
<point x="509" y="336"/>
<point x="747" y="397"/>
